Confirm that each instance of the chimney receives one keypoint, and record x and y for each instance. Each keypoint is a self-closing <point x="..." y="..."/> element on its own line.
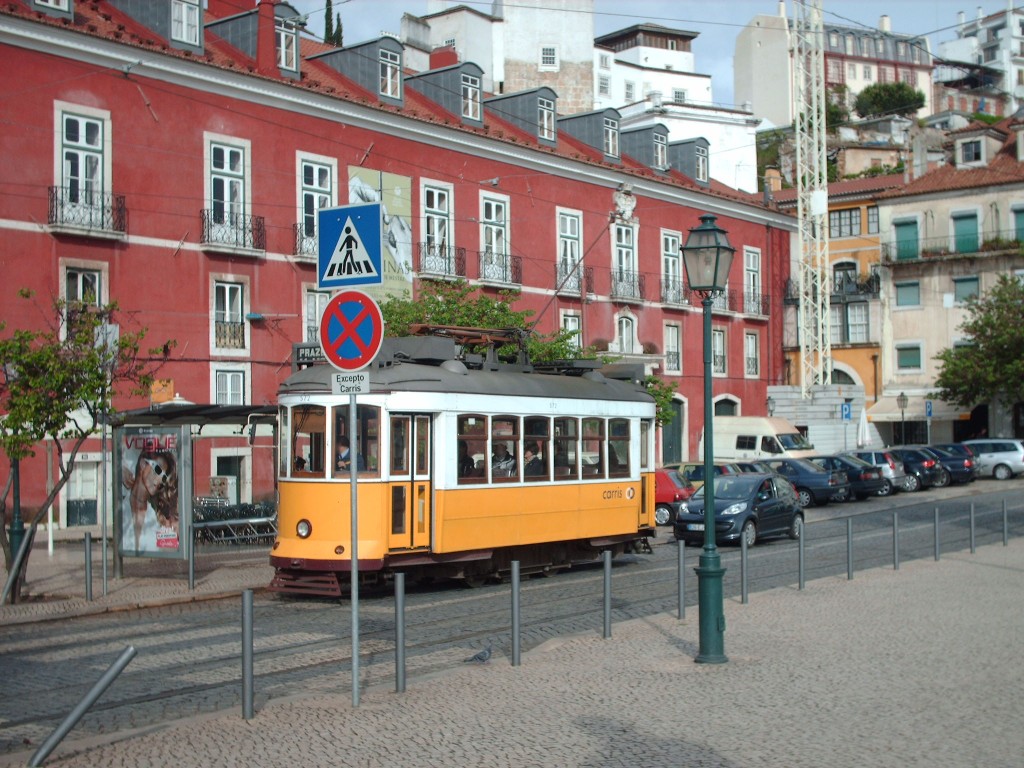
<point x="981" y="13"/>
<point x="960" y="20"/>
<point x="266" y="39"/>
<point x="772" y="180"/>
<point x="445" y="56"/>
<point x="884" y="24"/>
<point x="782" y="8"/>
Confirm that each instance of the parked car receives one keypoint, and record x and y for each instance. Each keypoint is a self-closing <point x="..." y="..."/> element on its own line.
<point x="752" y="466"/>
<point x="953" y="467"/>
<point x="671" y="489"/>
<point x="923" y="471"/>
<point x="748" y="505"/>
<point x="865" y="479"/>
<point x="693" y="471"/>
<point x="998" y="457"/>
<point x="814" y="485"/>
<point x="893" y="473"/>
<point x="958" y="448"/>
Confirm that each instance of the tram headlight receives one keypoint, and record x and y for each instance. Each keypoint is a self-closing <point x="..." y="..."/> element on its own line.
<point x="303" y="528"/>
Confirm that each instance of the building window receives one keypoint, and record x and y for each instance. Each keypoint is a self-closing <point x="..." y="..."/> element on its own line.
<point x="701" y="154"/>
<point x="438" y="255"/>
<point x="185" y="21"/>
<point x="868" y="72"/>
<point x="844" y="223"/>
<point x="82" y="152"/>
<point x="751" y="355"/>
<point x="833" y="40"/>
<point x="970" y="151"/>
<point x="546" y="119"/>
<point x="60" y="5"/>
<point x="908" y="294"/>
<point x="548" y="58"/>
<point x="604" y="61"/>
<point x="965" y="233"/>
<point x="316" y="191"/>
<point x="672" y="291"/>
<point x="470" y="97"/>
<point x="611" y="137"/>
<point x="316" y="303"/>
<point x="673" y="356"/>
<point x="228" y="310"/>
<point x="287" y="45"/>
<point x="227" y="183"/>
<point x="569" y="278"/>
<point x="625" y="278"/>
<point x="630" y="91"/>
<point x="752" y="281"/>
<point x="678" y="95"/>
<point x="494" y="258"/>
<point x="857" y="322"/>
<point x="82" y="286"/>
<point x="908" y="357"/>
<point x="604" y="85"/>
<point x="964" y="288"/>
<point x="718" y="367"/>
<point x="230" y="387"/>
<point x="873" y="220"/>
<point x="660" y="151"/>
<point x="390" y="74"/>
<point x="571" y="323"/>
<point x="851" y="71"/>
<point x="625" y="334"/>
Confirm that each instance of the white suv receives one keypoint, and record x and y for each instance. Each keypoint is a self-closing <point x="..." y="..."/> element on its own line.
<point x="998" y="457"/>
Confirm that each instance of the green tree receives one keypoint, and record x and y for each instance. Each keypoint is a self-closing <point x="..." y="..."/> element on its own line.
<point x="991" y="367"/>
<point x="836" y="113"/>
<point x="329" y="22"/>
<point x="888" y="99"/>
<point x="58" y="383"/>
<point x="454" y="303"/>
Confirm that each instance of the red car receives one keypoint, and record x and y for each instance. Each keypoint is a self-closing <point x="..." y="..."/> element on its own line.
<point x="671" y="489"/>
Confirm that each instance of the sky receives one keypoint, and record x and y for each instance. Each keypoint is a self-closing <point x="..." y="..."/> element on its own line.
<point x="716" y="21"/>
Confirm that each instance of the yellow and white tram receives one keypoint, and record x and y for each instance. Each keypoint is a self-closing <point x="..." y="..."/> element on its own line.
<point x="436" y="495"/>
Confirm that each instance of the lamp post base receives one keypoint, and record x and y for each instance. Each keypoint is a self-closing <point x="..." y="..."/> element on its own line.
<point x="709" y="606"/>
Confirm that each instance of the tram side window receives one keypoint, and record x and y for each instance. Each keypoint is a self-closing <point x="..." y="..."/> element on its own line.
<point x="285" y="462"/>
<point x="400" y="445"/>
<point x="593" y="448"/>
<point x="645" y="445"/>
<point x="472" y="448"/>
<point x="536" y="449"/>
<point x="618" y="448"/>
<point x="364" y="448"/>
<point x="308" y="444"/>
<point x="566" y="460"/>
<point x="504" y="444"/>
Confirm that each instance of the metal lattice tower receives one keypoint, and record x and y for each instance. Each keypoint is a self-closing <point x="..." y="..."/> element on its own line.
<point x="812" y="195"/>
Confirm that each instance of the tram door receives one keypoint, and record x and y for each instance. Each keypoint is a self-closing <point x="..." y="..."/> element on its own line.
<point x="410" y="482"/>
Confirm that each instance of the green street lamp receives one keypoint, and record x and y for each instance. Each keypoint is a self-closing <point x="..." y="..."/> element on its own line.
<point x="901" y="401"/>
<point x="707" y="259"/>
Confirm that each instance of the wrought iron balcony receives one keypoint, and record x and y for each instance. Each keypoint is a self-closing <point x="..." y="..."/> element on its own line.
<point x="672" y="360"/>
<point x="627" y="285"/>
<point x="441" y="260"/>
<point x="573" y="279"/>
<point x="756" y="303"/>
<point x="501" y="268"/>
<point x="962" y="244"/>
<point x="229" y="335"/>
<point x="233" y="231"/>
<point x="845" y="289"/>
<point x="81" y="211"/>
<point x="674" y="291"/>
<point x="306" y="244"/>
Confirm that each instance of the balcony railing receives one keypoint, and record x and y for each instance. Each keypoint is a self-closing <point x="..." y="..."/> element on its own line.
<point x="501" y="268"/>
<point x="970" y="243"/>
<point x="306" y="245"/>
<point x="229" y="335"/>
<point x="674" y="291"/>
<point x="85" y="212"/>
<point x="845" y="288"/>
<point x="672" y="360"/>
<point x="627" y="285"/>
<point x="441" y="260"/>
<point x="235" y="231"/>
<point x="573" y="279"/>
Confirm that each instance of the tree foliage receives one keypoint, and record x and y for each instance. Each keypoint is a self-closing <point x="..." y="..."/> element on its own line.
<point x="332" y="27"/>
<point x="991" y="367"/>
<point x="460" y="304"/>
<point x="888" y="99"/>
<point x="836" y="113"/>
<point x="58" y="383"/>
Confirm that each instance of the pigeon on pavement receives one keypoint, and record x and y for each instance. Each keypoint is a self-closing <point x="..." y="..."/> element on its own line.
<point x="481" y="656"/>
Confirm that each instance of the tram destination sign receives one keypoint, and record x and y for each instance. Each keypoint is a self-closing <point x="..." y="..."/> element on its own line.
<point x="357" y="383"/>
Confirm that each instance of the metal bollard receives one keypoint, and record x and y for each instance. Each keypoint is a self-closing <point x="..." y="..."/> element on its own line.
<point x="800" y="562"/>
<point x="895" y="541"/>
<point x="1006" y="526"/>
<point x="743" y="570"/>
<point x="682" y="579"/>
<point x="247" y="662"/>
<point x="88" y="566"/>
<point x="607" y="557"/>
<point x="849" y="548"/>
<point x="399" y="632"/>
<point x="515" y="614"/>
<point x="972" y="528"/>
<point x="936" y="533"/>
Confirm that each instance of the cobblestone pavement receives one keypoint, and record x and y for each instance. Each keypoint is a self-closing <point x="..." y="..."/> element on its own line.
<point x="918" y="666"/>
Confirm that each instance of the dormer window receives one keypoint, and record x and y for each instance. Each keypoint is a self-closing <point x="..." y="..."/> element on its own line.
<point x="970" y="152"/>
<point x="660" y="151"/>
<point x="185" y="21"/>
<point x="470" y="97"/>
<point x="287" y="45"/>
<point x="57" y="5"/>
<point x="390" y="74"/>
<point x="546" y="119"/>
<point x="611" y="137"/>
<point x="702" y="163"/>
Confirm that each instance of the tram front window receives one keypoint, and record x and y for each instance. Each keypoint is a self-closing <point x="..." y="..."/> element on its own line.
<point x="362" y="450"/>
<point x="472" y="448"/>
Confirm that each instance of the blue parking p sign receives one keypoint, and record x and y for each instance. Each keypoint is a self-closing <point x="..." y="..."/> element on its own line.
<point x="928" y="408"/>
<point x="847" y="412"/>
<point x="350" y="246"/>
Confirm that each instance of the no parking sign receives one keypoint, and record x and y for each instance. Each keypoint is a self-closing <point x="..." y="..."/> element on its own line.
<point x="351" y="330"/>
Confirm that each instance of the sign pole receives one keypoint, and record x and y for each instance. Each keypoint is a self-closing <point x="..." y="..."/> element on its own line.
<point x="354" y="579"/>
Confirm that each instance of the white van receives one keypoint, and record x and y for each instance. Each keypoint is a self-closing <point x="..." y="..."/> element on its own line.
<point x="756" y="438"/>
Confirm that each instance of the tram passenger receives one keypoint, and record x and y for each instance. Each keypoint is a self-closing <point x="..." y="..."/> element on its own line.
<point x="502" y="463"/>
<point x="345" y="455"/>
<point x="534" y="465"/>
<point x="466" y="463"/>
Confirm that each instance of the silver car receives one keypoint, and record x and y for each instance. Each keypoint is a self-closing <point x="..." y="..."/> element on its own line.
<point x="998" y="457"/>
<point x="893" y="473"/>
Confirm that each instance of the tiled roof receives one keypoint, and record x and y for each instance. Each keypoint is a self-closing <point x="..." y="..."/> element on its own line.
<point x="866" y="186"/>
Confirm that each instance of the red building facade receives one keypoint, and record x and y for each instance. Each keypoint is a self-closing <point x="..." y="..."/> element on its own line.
<point x="172" y="158"/>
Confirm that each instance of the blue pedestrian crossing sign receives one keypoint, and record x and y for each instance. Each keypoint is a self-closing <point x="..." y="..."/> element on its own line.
<point x="350" y="246"/>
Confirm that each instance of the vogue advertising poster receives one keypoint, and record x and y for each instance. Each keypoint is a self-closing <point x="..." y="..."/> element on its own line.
<point x="394" y="193"/>
<point x="150" y="501"/>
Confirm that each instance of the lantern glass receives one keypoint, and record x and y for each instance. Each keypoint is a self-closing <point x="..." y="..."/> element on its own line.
<point x="707" y="256"/>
